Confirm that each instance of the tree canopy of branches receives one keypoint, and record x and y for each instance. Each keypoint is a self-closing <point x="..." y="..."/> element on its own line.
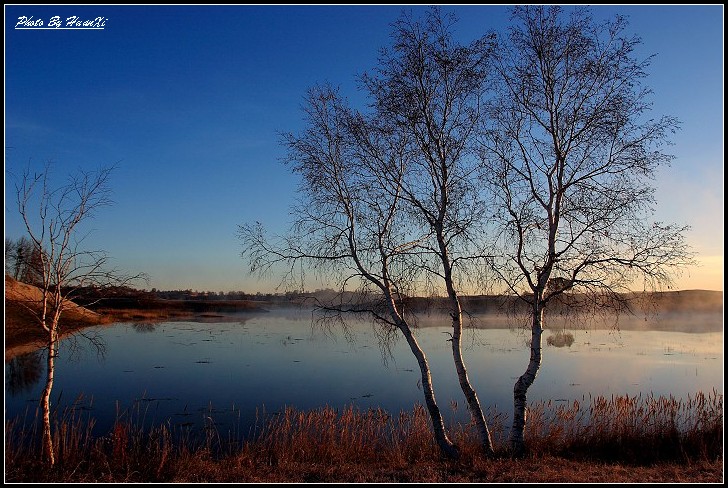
<point x="53" y="217"/>
<point x="529" y="157"/>
<point x="428" y="91"/>
<point x="571" y="154"/>
<point x="349" y="227"/>
<point x="405" y="181"/>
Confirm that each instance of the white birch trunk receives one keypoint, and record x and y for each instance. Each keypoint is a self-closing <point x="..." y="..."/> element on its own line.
<point x="520" y="389"/>
<point x="446" y="446"/>
<point x="48" y="452"/>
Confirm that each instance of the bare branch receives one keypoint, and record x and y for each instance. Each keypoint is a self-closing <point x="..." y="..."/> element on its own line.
<point x="58" y="265"/>
<point x="572" y="153"/>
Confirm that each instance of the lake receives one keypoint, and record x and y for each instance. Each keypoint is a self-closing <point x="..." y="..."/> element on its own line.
<point x="187" y="374"/>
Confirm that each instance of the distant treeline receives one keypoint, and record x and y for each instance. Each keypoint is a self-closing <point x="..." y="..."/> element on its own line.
<point x="689" y="301"/>
<point x="126" y="297"/>
<point x="89" y="294"/>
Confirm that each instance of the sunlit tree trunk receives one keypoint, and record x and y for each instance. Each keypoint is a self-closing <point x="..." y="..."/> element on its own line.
<point x="476" y="412"/>
<point x="438" y="425"/>
<point x="48" y="452"/>
<point x="525" y="381"/>
<point x="447" y="448"/>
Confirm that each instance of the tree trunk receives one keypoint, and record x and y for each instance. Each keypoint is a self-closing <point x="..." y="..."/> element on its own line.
<point x="48" y="453"/>
<point x="447" y="448"/>
<point x="525" y="381"/>
<point x="476" y="412"/>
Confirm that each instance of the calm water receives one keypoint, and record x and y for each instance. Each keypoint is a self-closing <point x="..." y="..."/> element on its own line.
<point x="187" y="374"/>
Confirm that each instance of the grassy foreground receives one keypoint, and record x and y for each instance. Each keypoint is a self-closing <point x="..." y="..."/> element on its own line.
<point x="618" y="439"/>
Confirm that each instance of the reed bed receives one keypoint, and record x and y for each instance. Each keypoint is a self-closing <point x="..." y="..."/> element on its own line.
<point x="636" y="429"/>
<point x="622" y="438"/>
<point x="328" y="435"/>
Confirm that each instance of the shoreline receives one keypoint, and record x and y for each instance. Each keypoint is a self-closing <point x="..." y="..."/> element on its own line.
<point x="24" y="337"/>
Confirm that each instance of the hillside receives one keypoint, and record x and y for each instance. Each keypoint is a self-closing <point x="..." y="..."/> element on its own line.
<point x="23" y="334"/>
<point x="21" y="329"/>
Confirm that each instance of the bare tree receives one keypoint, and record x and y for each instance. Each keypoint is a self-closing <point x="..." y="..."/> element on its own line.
<point x="11" y="250"/>
<point x="431" y="88"/>
<point x="23" y="260"/>
<point x="571" y="154"/>
<point x="53" y="218"/>
<point x="349" y="227"/>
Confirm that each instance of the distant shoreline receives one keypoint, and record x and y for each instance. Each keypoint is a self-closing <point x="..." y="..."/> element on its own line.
<point x="692" y="311"/>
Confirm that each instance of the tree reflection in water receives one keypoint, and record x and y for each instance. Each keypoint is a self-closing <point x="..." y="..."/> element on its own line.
<point x="24" y="371"/>
<point x="143" y="327"/>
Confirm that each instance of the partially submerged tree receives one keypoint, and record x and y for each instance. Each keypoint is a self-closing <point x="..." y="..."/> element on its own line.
<point x="349" y="226"/>
<point x="53" y="218"/>
<point x="571" y="154"/>
<point x="428" y="91"/>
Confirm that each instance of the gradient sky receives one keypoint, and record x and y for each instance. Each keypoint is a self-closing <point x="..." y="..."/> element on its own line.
<point x="188" y="102"/>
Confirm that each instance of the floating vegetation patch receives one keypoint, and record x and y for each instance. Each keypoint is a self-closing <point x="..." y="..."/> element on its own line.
<point x="560" y="339"/>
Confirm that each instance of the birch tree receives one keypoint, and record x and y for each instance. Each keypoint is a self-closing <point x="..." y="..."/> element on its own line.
<point x="53" y="218"/>
<point x="572" y="153"/>
<point x="349" y="227"/>
<point x="431" y="88"/>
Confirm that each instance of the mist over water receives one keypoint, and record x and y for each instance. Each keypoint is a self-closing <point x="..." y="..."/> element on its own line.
<point x="188" y="374"/>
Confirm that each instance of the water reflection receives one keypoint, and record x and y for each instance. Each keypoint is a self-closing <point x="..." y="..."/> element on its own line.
<point x="143" y="327"/>
<point x="23" y="372"/>
<point x="184" y="373"/>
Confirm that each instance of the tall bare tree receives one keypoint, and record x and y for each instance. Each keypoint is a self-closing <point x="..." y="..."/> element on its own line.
<point x="431" y="88"/>
<point x="571" y="152"/>
<point x="349" y="227"/>
<point x="53" y="218"/>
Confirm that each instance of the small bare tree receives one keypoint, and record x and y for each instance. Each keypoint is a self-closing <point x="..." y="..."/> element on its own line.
<point x="53" y="218"/>
<point x="431" y="88"/>
<point x="350" y="228"/>
<point x="571" y="153"/>
<point x="23" y="261"/>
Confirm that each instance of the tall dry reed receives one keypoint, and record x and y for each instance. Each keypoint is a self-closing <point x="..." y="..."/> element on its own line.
<point x="626" y="429"/>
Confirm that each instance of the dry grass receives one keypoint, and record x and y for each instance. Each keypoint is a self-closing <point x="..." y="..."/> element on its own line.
<point x="560" y="339"/>
<point x="131" y="314"/>
<point x="622" y="439"/>
<point x="633" y="429"/>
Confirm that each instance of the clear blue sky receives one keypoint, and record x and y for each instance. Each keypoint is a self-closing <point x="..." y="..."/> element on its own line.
<point x="188" y="102"/>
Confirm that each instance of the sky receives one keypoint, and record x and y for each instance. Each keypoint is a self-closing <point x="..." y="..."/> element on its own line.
<point x="188" y="103"/>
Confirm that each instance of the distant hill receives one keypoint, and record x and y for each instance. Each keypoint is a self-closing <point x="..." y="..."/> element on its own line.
<point x="690" y="301"/>
<point x="21" y="328"/>
<point x="22" y="332"/>
<point x="22" y="295"/>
